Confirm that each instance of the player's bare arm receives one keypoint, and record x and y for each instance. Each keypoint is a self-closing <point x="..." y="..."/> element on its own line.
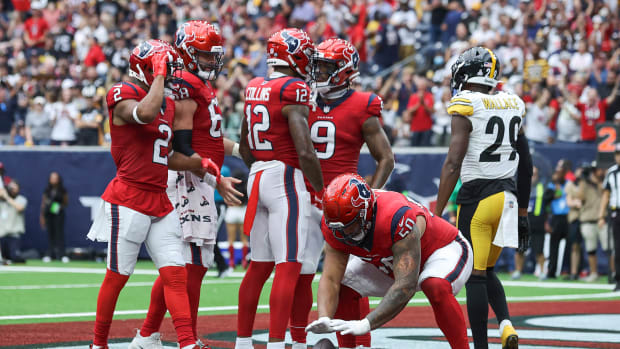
<point x="380" y="149"/>
<point x="335" y="264"/>
<point x="297" y="116"/>
<point x="244" y="147"/>
<point x="406" y="272"/>
<point x="451" y="170"/>
<point x="231" y="148"/>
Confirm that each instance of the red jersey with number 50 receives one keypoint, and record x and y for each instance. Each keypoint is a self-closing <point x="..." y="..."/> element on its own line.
<point x="269" y="137"/>
<point x="336" y="131"/>
<point x="207" y="138"/>
<point x="140" y="153"/>
<point x="393" y="220"/>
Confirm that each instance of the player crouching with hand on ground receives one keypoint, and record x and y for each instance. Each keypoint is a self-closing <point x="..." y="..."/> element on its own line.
<point x="399" y="248"/>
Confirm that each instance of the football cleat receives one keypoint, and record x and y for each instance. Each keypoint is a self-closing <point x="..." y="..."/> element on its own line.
<point x="510" y="339"/>
<point x="151" y="342"/>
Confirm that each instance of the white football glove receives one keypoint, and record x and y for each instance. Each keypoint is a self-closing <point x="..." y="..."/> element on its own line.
<point x="354" y="327"/>
<point x="322" y="325"/>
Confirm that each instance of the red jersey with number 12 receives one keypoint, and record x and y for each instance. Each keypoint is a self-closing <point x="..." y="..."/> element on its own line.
<point x="269" y="137"/>
<point x="393" y="220"/>
<point x="207" y="138"/>
<point x="140" y="153"/>
<point x="336" y="130"/>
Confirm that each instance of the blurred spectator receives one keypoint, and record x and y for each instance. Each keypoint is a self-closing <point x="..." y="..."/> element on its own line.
<point x="536" y="68"/>
<point x="574" y="240"/>
<point x="64" y="115"/>
<point x="559" y="214"/>
<point x="8" y="105"/>
<point x="582" y="59"/>
<point x="590" y="193"/>
<point x="387" y="43"/>
<point x="36" y="27"/>
<point x="419" y="114"/>
<point x="538" y="116"/>
<point x="52" y="218"/>
<point x="610" y="202"/>
<point x="593" y="111"/>
<point x="4" y="179"/>
<point x="90" y="119"/>
<point x="569" y="118"/>
<point x="442" y="120"/>
<point x="12" y="207"/>
<point x="234" y="222"/>
<point x="38" y="123"/>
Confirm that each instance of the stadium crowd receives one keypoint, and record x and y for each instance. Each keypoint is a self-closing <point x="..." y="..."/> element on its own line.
<point x="57" y="59"/>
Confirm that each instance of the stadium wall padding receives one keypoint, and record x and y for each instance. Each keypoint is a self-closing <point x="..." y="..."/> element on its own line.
<point x="86" y="172"/>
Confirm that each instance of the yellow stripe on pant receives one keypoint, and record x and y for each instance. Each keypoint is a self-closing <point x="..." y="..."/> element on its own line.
<point x="478" y="222"/>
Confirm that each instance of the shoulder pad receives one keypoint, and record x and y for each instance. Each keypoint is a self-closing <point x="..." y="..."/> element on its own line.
<point x="461" y="104"/>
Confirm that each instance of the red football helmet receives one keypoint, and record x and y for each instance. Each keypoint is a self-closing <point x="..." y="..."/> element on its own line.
<point x="140" y="65"/>
<point x="197" y="38"/>
<point x="335" y="63"/>
<point x="291" y="47"/>
<point x="348" y="200"/>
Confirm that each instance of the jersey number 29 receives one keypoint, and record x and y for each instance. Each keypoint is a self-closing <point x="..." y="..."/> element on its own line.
<point x="488" y="155"/>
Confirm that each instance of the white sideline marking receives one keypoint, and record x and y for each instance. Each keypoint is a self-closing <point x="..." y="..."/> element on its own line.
<point x="265" y="306"/>
<point x="102" y="270"/>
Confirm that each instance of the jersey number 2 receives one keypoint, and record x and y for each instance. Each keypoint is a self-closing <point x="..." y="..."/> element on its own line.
<point x="162" y="143"/>
<point x="487" y="155"/>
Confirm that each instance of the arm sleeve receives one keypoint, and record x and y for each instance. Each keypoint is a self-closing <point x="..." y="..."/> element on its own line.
<point x="182" y="142"/>
<point x="524" y="172"/>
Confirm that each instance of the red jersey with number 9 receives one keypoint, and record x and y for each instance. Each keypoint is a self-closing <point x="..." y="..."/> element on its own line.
<point x="393" y="220"/>
<point x="269" y="137"/>
<point x="207" y="138"/>
<point x="140" y="153"/>
<point x="336" y="131"/>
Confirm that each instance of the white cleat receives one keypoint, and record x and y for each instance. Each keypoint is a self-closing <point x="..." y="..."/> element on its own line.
<point x="151" y="342"/>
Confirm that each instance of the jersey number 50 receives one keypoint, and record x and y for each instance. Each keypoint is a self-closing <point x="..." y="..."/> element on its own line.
<point x="254" y="139"/>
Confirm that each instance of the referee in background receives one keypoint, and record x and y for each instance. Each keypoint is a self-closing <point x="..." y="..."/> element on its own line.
<point x="611" y="199"/>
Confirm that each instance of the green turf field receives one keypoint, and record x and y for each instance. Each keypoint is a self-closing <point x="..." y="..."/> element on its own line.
<point x="56" y="292"/>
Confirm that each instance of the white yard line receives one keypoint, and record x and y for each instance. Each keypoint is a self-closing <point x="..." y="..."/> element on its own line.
<point x="101" y="270"/>
<point x="265" y="306"/>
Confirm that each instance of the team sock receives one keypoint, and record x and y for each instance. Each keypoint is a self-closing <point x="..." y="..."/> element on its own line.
<point x="478" y="309"/>
<point x="111" y="287"/>
<point x="302" y="303"/>
<point x="243" y="343"/>
<point x="281" y="298"/>
<point x="448" y="314"/>
<point x="275" y="345"/>
<point x="497" y="297"/>
<point x="365" y="339"/>
<point x="174" y="280"/>
<point x="231" y="252"/>
<point x="157" y="310"/>
<point x="348" y="309"/>
<point x="195" y="274"/>
<point x="244" y="254"/>
<point x="249" y="293"/>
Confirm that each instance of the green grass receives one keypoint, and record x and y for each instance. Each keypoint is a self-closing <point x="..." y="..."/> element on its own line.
<point x="81" y="296"/>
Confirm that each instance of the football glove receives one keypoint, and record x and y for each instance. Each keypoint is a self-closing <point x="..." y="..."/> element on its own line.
<point x="320" y="326"/>
<point x="160" y="63"/>
<point x="212" y="176"/>
<point x="354" y="327"/>
<point x="524" y="234"/>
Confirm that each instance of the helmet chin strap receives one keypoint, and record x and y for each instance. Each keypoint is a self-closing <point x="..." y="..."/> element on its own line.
<point x="326" y="92"/>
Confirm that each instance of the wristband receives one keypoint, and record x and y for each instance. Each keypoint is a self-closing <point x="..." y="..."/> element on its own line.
<point x="235" y="151"/>
<point x="135" y="116"/>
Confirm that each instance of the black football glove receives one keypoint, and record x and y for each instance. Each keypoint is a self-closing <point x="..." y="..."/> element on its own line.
<point x="524" y="234"/>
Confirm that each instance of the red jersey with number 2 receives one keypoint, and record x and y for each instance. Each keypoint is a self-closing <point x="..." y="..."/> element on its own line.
<point x="140" y="153"/>
<point x="269" y="137"/>
<point x="336" y="131"/>
<point x="207" y="138"/>
<point x="394" y="219"/>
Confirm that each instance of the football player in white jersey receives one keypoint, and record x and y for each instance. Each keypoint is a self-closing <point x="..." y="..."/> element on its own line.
<point x="487" y="148"/>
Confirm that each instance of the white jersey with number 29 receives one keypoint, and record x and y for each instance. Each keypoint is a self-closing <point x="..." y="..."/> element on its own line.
<point x="496" y="120"/>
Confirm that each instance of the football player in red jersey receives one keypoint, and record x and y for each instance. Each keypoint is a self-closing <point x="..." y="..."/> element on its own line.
<point x="400" y="247"/>
<point x="276" y="145"/>
<point x="135" y="206"/>
<point x="342" y="121"/>
<point x="200" y="46"/>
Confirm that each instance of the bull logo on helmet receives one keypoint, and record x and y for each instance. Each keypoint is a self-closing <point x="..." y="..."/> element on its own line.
<point x="144" y="49"/>
<point x="292" y="42"/>
<point x="363" y="193"/>
<point x="181" y="35"/>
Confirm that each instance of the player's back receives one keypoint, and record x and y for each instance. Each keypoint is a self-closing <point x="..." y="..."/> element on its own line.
<point x="140" y="153"/>
<point x="269" y="137"/>
<point x="207" y="138"/>
<point x="336" y="131"/>
<point x="496" y="120"/>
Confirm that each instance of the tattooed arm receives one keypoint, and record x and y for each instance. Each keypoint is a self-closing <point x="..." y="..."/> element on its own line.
<point x="406" y="271"/>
